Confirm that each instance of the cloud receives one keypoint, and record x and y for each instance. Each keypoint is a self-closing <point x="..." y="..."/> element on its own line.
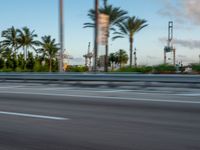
<point x="192" y="10"/>
<point x="191" y="44"/>
<point x="182" y="11"/>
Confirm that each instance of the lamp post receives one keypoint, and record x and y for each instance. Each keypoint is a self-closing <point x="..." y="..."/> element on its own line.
<point x="61" y="24"/>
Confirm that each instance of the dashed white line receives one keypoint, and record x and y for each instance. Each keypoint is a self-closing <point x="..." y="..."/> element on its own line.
<point x="32" y="116"/>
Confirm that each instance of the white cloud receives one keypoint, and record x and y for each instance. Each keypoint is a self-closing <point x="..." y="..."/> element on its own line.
<point x="192" y="8"/>
<point x="191" y="44"/>
<point x="186" y="11"/>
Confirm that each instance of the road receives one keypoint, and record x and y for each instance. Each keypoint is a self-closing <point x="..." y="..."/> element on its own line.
<point x="60" y="117"/>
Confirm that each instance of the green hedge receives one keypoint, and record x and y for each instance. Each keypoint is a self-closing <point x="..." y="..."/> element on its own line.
<point x="143" y="69"/>
<point x="149" y="69"/>
<point x="164" y="69"/>
<point x="77" y="69"/>
<point x="196" y="67"/>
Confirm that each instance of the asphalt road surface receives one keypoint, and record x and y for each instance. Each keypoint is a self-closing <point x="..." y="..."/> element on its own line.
<point x="58" y="117"/>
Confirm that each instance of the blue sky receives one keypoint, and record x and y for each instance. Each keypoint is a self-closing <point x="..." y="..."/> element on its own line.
<point x="42" y="16"/>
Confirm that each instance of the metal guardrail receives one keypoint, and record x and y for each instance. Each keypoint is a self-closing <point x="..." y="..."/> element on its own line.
<point x="115" y="77"/>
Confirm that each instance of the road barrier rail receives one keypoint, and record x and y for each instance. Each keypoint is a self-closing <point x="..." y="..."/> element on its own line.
<point x="100" y="77"/>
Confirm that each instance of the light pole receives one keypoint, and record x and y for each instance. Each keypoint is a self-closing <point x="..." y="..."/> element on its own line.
<point x="61" y="24"/>
<point x="96" y="34"/>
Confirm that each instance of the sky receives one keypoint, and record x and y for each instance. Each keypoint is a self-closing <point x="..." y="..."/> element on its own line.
<point x="42" y="16"/>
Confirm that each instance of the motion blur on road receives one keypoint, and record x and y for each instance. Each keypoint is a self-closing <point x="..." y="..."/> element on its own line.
<point x="59" y="117"/>
<point x="106" y="76"/>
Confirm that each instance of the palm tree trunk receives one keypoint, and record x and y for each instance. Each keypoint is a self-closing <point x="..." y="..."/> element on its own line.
<point x="50" y="64"/>
<point x="24" y="54"/>
<point x="106" y="58"/>
<point x="131" y="52"/>
<point x="112" y="63"/>
<point x="107" y="49"/>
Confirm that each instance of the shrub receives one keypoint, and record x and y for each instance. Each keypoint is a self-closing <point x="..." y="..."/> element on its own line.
<point x="37" y="66"/>
<point x="77" y="69"/>
<point x="141" y="69"/>
<point x="2" y="62"/>
<point x="196" y="67"/>
<point x="164" y="69"/>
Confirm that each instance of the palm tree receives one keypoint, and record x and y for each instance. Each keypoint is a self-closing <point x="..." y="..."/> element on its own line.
<point x="121" y="57"/>
<point x="10" y="39"/>
<point x="49" y="48"/>
<point x="112" y="60"/>
<point x="27" y="40"/>
<point x="116" y="16"/>
<point x="129" y="28"/>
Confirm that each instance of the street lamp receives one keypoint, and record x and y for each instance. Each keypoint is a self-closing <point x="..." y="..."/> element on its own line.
<point x="61" y="24"/>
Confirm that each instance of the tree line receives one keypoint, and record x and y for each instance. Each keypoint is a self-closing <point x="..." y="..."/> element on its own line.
<point x="21" y="51"/>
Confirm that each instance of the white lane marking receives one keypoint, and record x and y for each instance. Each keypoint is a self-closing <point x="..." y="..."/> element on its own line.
<point x="112" y="91"/>
<point x="189" y="94"/>
<point x="52" y="88"/>
<point x="91" y="90"/>
<point x="99" y="91"/>
<point x="32" y="116"/>
<point x="105" y="97"/>
<point x="6" y="87"/>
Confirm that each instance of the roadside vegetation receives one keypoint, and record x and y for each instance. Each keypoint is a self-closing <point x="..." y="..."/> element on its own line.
<point x="21" y="50"/>
<point x="196" y="68"/>
<point x="159" y="69"/>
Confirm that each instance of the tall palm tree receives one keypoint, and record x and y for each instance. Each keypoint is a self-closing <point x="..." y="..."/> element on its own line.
<point x="10" y="39"/>
<point x="116" y="16"/>
<point x="129" y="28"/>
<point x="49" y="49"/>
<point x="27" y="40"/>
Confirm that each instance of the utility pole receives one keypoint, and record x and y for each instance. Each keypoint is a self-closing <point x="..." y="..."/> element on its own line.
<point x="96" y="34"/>
<point x="61" y="24"/>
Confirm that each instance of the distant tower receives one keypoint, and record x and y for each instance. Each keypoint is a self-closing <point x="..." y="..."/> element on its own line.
<point x="169" y="47"/>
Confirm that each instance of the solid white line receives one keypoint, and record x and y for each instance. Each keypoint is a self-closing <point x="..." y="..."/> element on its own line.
<point x="105" y="97"/>
<point x="32" y="116"/>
